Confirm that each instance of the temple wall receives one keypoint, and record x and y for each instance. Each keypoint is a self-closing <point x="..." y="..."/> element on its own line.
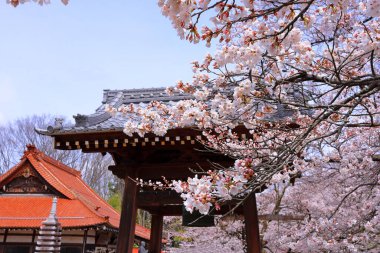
<point x="73" y="232"/>
<point x="90" y="240"/>
<point x="15" y="236"/>
<point x="72" y="240"/>
<point x="68" y="236"/>
<point x="72" y="236"/>
<point x="19" y="238"/>
<point x="76" y="236"/>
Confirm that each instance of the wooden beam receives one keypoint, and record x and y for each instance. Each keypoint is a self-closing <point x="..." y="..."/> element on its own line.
<point x="176" y="209"/>
<point x="376" y="157"/>
<point x="158" y="198"/>
<point x="168" y="210"/>
<point x="155" y="243"/>
<point x="128" y="217"/>
<point x="252" y="224"/>
<point x="171" y="170"/>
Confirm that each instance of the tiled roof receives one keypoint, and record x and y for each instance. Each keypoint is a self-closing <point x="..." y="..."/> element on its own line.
<point x="103" y="121"/>
<point x="137" y="96"/>
<point x="29" y="211"/>
<point x="82" y="206"/>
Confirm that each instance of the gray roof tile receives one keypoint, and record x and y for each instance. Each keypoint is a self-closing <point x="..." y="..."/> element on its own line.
<point x="103" y="121"/>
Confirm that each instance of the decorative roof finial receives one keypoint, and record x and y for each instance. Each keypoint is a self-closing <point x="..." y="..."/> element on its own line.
<point x="30" y="149"/>
<point x="58" y="125"/>
<point x="81" y="120"/>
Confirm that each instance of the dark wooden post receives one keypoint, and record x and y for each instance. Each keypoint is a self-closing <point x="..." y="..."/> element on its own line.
<point x="5" y="236"/>
<point x="156" y="233"/>
<point x="252" y="225"/>
<point x="33" y="241"/>
<point x="128" y="217"/>
<point x="2" y="247"/>
<point x="84" y="241"/>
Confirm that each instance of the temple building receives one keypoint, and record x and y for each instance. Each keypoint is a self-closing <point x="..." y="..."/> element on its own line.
<point x="176" y="155"/>
<point x="26" y="193"/>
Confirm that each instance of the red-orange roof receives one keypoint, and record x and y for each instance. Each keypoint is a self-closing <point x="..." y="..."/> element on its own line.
<point x="28" y="211"/>
<point x="82" y="207"/>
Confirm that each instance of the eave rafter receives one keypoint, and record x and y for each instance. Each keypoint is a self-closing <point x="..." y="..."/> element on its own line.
<point x="97" y="143"/>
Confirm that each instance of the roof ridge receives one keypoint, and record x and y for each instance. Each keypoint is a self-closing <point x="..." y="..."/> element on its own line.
<point x="134" y="90"/>
<point x="61" y="165"/>
<point x="38" y="155"/>
<point x="39" y="164"/>
<point x="97" y="196"/>
<point x="93" y="211"/>
<point x="34" y="151"/>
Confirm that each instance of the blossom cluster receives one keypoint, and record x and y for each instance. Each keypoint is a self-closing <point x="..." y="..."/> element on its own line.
<point x="40" y="2"/>
<point x="216" y="186"/>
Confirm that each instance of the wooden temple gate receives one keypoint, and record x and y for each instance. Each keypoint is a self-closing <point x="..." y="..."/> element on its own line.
<point x="151" y="157"/>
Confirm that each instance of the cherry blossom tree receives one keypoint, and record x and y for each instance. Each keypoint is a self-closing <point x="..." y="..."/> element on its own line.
<point x="338" y="197"/>
<point x="302" y="78"/>
<point x="333" y="207"/>
<point x="227" y="236"/>
<point x="292" y="73"/>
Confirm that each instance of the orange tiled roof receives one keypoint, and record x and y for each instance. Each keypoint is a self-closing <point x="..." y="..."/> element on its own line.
<point x="28" y="211"/>
<point x="83" y="207"/>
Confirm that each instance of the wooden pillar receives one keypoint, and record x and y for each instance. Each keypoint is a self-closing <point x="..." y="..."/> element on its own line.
<point x="2" y="247"/>
<point x="128" y="217"/>
<point x="5" y="236"/>
<point x="33" y="241"/>
<point x="252" y="225"/>
<point x="84" y="241"/>
<point x="156" y="233"/>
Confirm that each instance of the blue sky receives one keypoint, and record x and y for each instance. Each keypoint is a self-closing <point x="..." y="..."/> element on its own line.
<point x="58" y="59"/>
